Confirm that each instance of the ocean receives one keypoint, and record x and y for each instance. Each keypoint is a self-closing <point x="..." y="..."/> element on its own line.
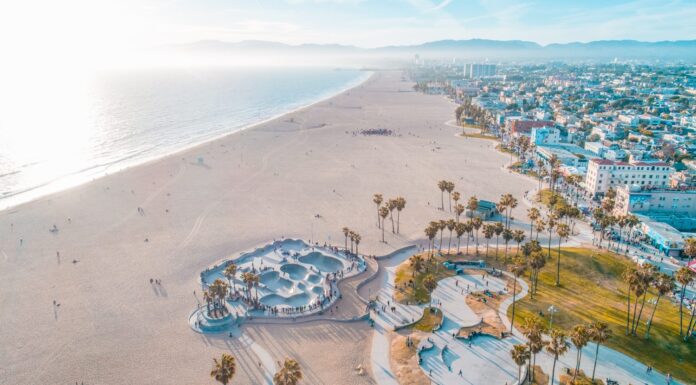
<point x="65" y="132"/>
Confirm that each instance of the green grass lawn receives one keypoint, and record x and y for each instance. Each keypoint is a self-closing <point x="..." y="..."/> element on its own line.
<point x="592" y="289"/>
<point x="418" y="293"/>
<point x="544" y="197"/>
<point x="431" y="317"/>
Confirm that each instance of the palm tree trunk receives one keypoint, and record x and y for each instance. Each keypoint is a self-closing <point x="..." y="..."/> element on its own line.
<point x="398" y="220"/>
<point x="467" y="244"/>
<point x="378" y="221"/>
<point x="635" y="308"/>
<point x="496" y="246"/>
<point x="553" y="369"/>
<point x="449" y="243"/>
<point x="681" y="312"/>
<point x="594" y="367"/>
<point x="442" y="200"/>
<point x="531" y="229"/>
<point x="647" y="332"/>
<point x="514" y="293"/>
<point x="459" y="240"/>
<point x="558" y="264"/>
<point x="640" y="313"/>
<point x="382" y="237"/>
<point x="577" y="365"/>
<point x="391" y="218"/>
<point x="628" y="311"/>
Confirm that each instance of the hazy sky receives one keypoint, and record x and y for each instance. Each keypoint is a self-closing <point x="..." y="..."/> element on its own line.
<point x="102" y="27"/>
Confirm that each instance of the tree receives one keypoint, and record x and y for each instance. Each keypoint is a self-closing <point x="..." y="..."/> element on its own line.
<point x="690" y="248"/>
<point x="517" y="268"/>
<point x="507" y="237"/>
<point x="224" y="370"/>
<point x="629" y="277"/>
<point x="599" y="334"/>
<point x="476" y="222"/>
<point x="230" y="272"/>
<point x="460" y="229"/>
<point x="550" y="224"/>
<point x="533" y="214"/>
<point x="645" y="276"/>
<point x="400" y="205"/>
<point x="429" y="283"/>
<point x="377" y="199"/>
<point x="557" y="346"/>
<point x="664" y="284"/>
<point x="289" y="374"/>
<point x="383" y="213"/>
<point x="417" y="263"/>
<point x="563" y="231"/>
<point x="441" y="226"/>
<point x="442" y="185"/>
<point x="449" y="188"/>
<point x="580" y="336"/>
<point x="518" y="236"/>
<point x="431" y="232"/>
<point x="684" y="276"/>
<point x="458" y="211"/>
<point x="250" y="279"/>
<point x="498" y="228"/>
<point x="450" y="226"/>
<point x="540" y="227"/>
<point x="356" y="238"/>
<point x="472" y="205"/>
<point x="533" y="329"/>
<point x="488" y="232"/>
<point x="456" y="196"/>
<point x="391" y="205"/>
<point x="520" y="355"/>
<point x="346" y="231"/>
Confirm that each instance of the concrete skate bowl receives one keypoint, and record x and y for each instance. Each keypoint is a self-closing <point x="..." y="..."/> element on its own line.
<point x="294" y="271"/>
<point x="323" y="263"/>
<point x="296" y="300"/>
<point x="273" y="281"/>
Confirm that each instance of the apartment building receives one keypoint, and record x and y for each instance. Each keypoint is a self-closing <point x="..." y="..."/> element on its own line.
<point x="603" y="174"/>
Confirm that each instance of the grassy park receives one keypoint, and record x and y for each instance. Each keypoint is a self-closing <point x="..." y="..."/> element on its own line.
<point x="410" y="285"/>
<point x="592" y="290"/>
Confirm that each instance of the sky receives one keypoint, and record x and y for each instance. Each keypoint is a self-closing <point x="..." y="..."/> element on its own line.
<point x="98" y="28"/>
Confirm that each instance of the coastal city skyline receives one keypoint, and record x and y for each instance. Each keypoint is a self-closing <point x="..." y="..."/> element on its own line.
<point x="348" y="192"/>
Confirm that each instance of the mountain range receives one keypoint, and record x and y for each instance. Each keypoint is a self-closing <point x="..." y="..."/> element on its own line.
<point x="471" y="48"/>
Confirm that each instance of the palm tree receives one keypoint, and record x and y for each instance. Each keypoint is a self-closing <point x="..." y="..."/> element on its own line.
<point x="580" y="336"/>
<point x="664" y="284"/>
<point x="557" y="346"/>
<point x="417" y="263"/>
<point x="472" y="206"/>
<point x="518" y="236"/>
<point x="450" y="188"/>
<point x="507" y="237"/>
<point x="476" y="222"/>
<point x="459" y="229"/>
<point x="458" y="210"/>
<point x="550" y="224"/>
<point x="599" y="334"/>
<point x="442" y="185"/>
<point x="400" y="205"/>
<point x="563" y="231"/>
<point x="517" y="268"/>
<point x="520" y="355"/>
<point x="533" y="214"/>
<point x="230" y="272"/>
<point x="431" y="233"/>
<point x="383" y="213"/>
<point x="224" y="370"/>
<point x="249" y="279"/>
<point x="289" y="374"/>
<point x="498" y="228"/>
<point x="469" y="227"/>
<point x="429" y="283"/>
<point x="346" y="231"/>
<point x="391" y="205"/>
<point x="377" y="199"/>
<point x="629" y="277"/>
<point x="690" y="248"/>
<point x="450" y="226"/>
<point x="540" y="227"/>
<point x="441" y="226"/>
<point x="456" y="196"/>
<point x="684" y="276"/>
<point x="646" y="276"/>
<point x="533" y="329"/>
<point x="488" y="232"/>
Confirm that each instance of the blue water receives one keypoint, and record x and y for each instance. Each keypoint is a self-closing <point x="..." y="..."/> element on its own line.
<point x="121" y="118"/>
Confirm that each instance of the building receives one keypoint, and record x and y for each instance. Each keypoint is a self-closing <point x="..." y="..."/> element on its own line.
<point x="664" y="237"/>
<point x="603" y="174"/>
<point x="567" y="154"/>
<point x="545" y="135"/>
<point x="474" y="71"/>
<point x="524" y="127"/>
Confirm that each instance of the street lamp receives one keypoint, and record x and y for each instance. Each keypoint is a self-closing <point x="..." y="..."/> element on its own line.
<point x="552" y="310"/>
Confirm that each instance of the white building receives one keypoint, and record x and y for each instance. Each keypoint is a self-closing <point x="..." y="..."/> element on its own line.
<point x="546" y="135"/>
<point x="603" y="174"/>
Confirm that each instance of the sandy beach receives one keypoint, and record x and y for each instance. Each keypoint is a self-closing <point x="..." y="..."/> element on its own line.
<point x="304" y="175"/>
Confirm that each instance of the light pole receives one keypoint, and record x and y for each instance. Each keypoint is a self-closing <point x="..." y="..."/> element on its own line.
<point x="552" y="310"/>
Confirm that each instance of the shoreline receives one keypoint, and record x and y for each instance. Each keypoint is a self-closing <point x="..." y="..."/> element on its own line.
<point x="17" y="199"/>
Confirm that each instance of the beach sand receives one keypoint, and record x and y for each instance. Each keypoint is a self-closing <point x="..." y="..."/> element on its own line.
<point x="114" y="327"/>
